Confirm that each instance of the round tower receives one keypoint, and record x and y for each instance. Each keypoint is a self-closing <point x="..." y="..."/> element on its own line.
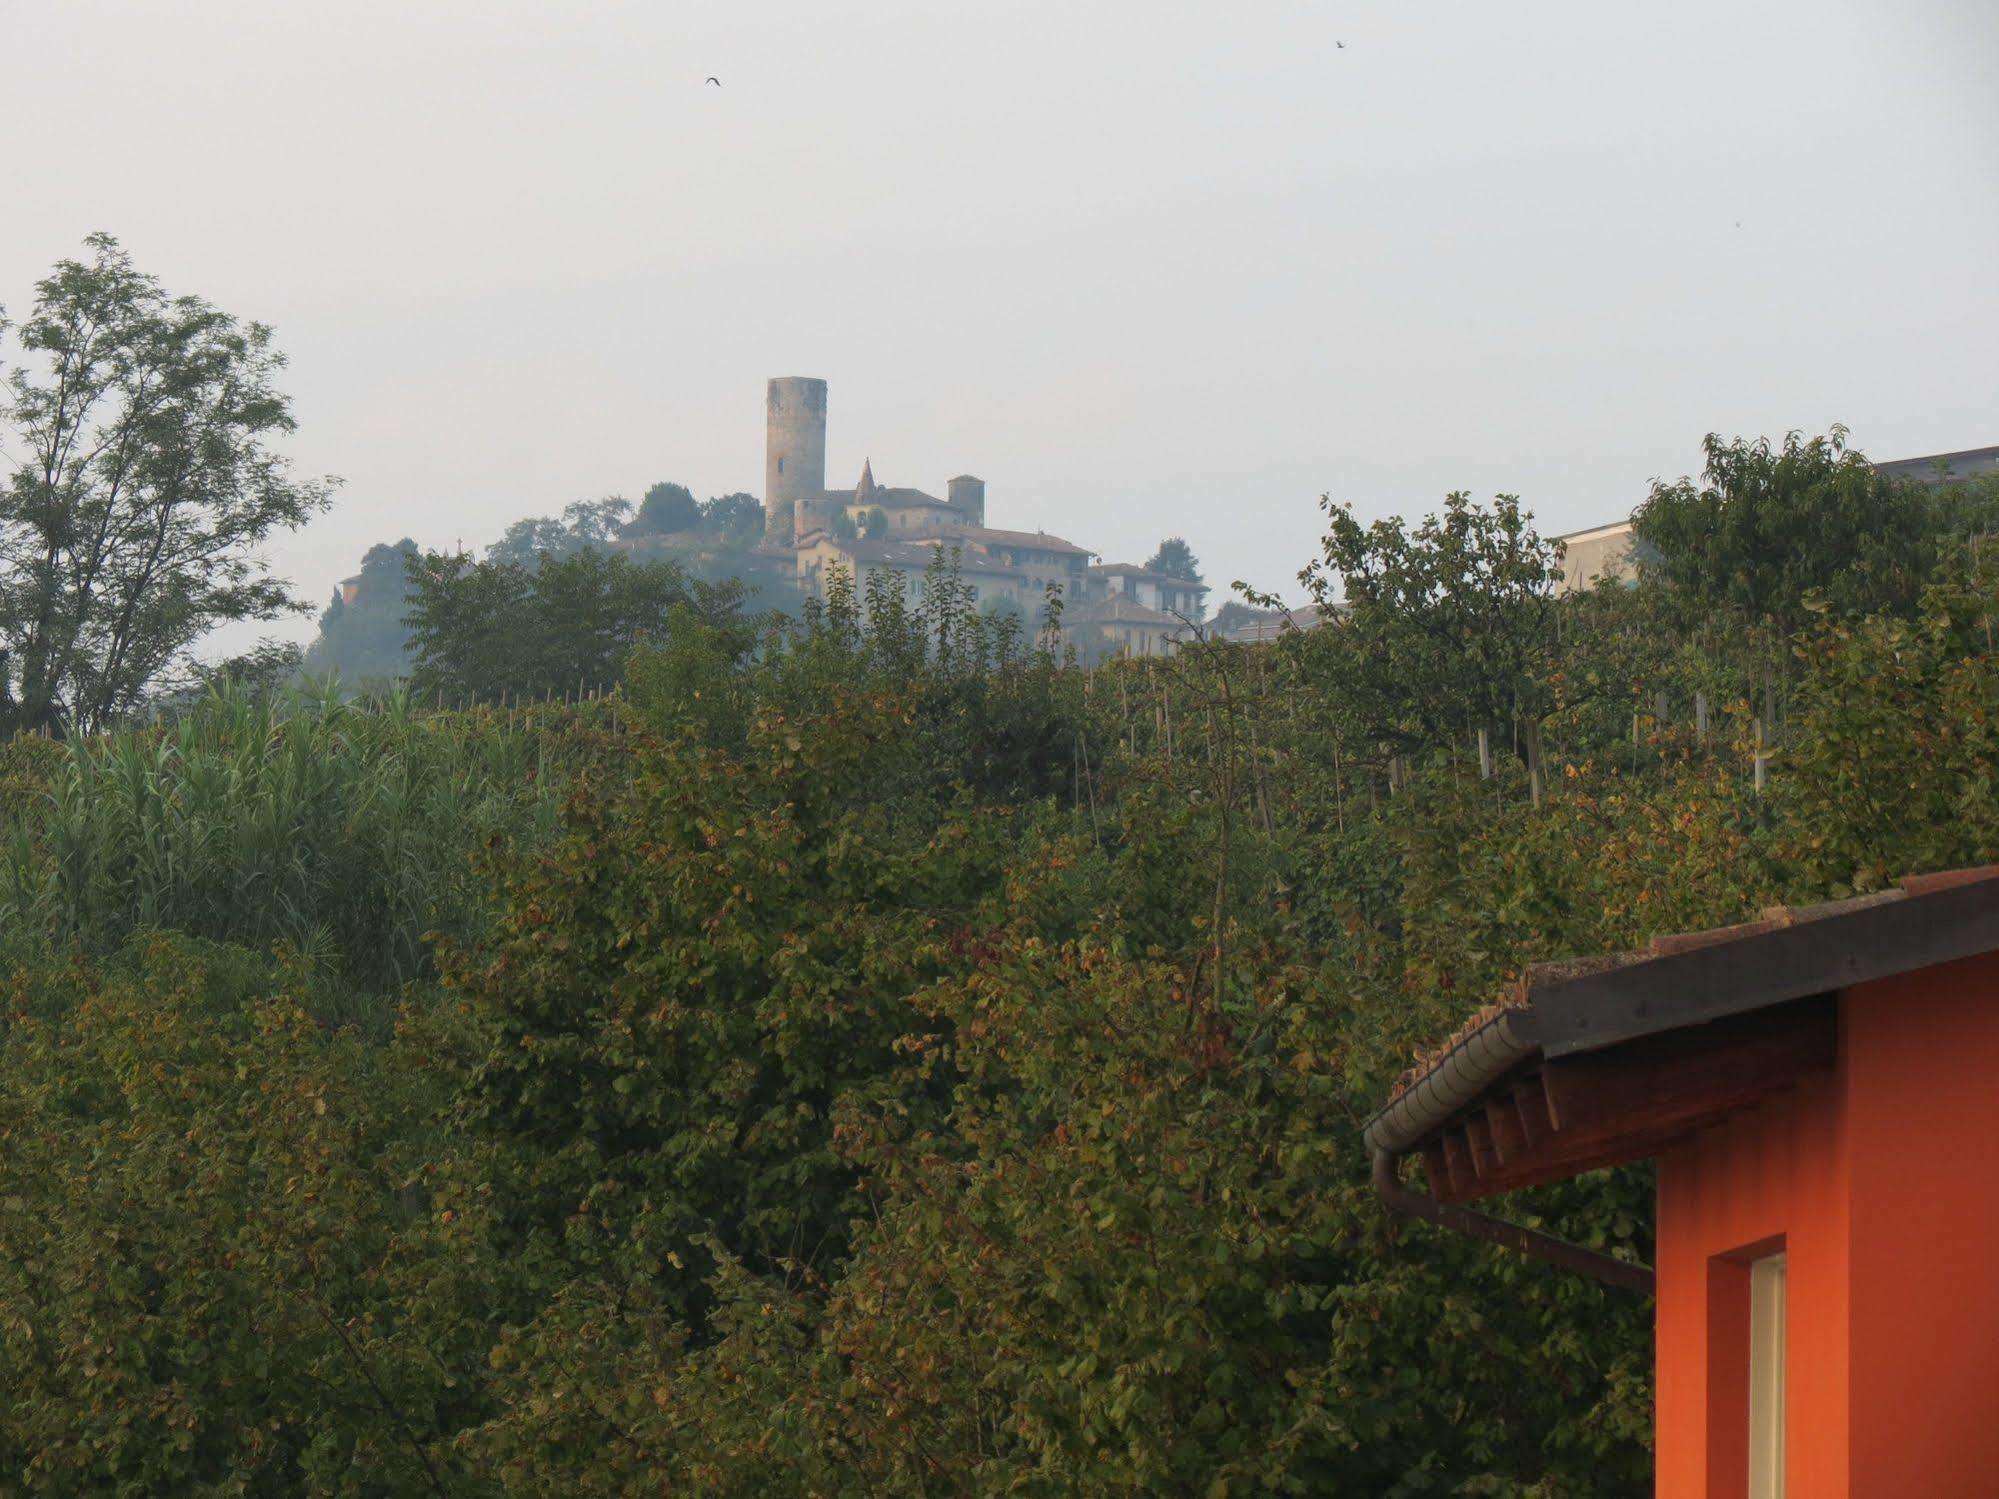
<point x="794" y="453"/>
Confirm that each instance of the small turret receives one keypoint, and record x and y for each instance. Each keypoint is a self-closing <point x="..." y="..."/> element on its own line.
<point x="865" y="490"/>
<point x="967" y="496"/>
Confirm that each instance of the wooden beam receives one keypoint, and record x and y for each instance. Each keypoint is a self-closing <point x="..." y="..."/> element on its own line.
<point x="1502" y="1120"/>
<point x="1457" y="1160"/>
<point x="1530" y="1097"/>
<point x="1692" y="1073"/>
<point x="1624" y="1104"/>
<point x="1438" y="1170"/>
<point x="1479" y="1138"/>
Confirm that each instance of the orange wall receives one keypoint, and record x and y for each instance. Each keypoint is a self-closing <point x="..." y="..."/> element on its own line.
<point x="1880" y="1181"/>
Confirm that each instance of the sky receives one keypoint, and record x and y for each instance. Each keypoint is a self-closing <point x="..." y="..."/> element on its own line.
<point x="1147" y="268"/>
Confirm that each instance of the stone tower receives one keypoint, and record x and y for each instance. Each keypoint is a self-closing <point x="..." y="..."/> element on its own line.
<point x="794" y="453"/>
<point x="967" y="496"/>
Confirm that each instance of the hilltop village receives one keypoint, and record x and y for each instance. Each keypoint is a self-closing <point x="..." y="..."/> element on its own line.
<point x="1116" y="608"/>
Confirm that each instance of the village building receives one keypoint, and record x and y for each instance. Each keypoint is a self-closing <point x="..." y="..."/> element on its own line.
<point x="903" y="532"/>
<point x="1817" y="1089"/>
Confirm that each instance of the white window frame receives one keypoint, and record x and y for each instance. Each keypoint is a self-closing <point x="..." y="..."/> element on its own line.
<point x="1766" y="1377"/>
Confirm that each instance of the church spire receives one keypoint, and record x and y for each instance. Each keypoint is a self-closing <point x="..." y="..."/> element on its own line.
<point x="867" y="485"/>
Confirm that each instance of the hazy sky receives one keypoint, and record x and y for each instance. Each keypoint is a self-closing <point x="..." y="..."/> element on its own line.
<point x="1145" y="267"/>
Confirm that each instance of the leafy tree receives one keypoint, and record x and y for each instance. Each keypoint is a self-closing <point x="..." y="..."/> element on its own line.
<point x="525" y="542"/>
<point x="1176" y="559"/>
<point x="481" y="629"/>
<point x="1430" y="633"/>
<point x="841" y="524"/>
<point x="666" y="508"/>
<point x="213" y="1285"/>
<point x="736" y="514"/>
<point x="874" y="523"/>
<point x="582" y="525"/>
<point x="1766" y="527"/>
<point x="145" y="488"/>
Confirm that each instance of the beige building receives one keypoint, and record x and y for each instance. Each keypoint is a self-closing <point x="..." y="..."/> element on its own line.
<point x="1598" y="552"/>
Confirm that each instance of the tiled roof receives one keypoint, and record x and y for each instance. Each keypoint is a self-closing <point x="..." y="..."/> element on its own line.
<point x="1037" y="540"/>
<point x="1538" y="978"/>
<point x="1120" y="608"/>
<point x="1595" y="1061"/>
<point x="888" y="497"/>
<point x="1133" y="570"/>
<point x="913" y="555"/>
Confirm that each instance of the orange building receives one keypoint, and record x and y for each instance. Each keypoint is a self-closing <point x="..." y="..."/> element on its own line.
<point x="1821" y="1092"/>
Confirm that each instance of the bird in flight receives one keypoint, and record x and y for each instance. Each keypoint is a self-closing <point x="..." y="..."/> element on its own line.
<point x="714" y="80"/>
<point x="1341" y="45"/>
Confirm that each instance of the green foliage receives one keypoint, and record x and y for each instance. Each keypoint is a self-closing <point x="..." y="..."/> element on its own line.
<point x="666" y="508"/>
<point x="1767" y="528"/>
<point x="671" y="509"/>
<point x="144" y="488"/>
<point x="227" y="1261"/>
<point x="482" y="629"/>
<point x="1176" y="559"/>
<point x="905" y="1063"/>
<point x="340" y="830"/>
<point x="1432" y="632"/>
<point x="1891" y="767"/>
<point x="583" y="526"/>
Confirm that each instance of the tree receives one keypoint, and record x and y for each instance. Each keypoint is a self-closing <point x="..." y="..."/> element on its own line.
<point x="145" y="490"/>
<point x="594" y="522"/>
<point x="874" y="523"/>
<point x="1767" y="526"/>
<point x="1176" y="559"/>
<point x="480" y="629"/>
<point x="1432" y="632"/>
<point x="666" y="508"/>
<point x="735" y="514"/>
<point x="587" y="523"/>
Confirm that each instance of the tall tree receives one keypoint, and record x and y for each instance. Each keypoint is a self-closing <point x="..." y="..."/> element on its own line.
<point x="1431" y="632"/>
<point x="1176" y="559"/>
<point x="146" y="486"/>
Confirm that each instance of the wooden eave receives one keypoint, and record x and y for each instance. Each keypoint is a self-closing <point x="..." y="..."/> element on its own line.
<point x="1618" y="1058"/>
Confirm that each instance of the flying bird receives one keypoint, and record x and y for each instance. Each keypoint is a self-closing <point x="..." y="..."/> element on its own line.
<point x="1341" y="45"/>
<point x="714" y="80"/>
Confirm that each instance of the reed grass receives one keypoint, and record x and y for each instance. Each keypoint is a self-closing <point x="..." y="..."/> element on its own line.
<point x="341" y="829"/>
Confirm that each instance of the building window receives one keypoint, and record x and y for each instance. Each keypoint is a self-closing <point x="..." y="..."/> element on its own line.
<point x="1766" y="1378"/>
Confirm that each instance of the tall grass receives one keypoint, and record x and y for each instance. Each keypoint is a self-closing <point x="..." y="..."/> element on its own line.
<point x="343" y="830"/>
